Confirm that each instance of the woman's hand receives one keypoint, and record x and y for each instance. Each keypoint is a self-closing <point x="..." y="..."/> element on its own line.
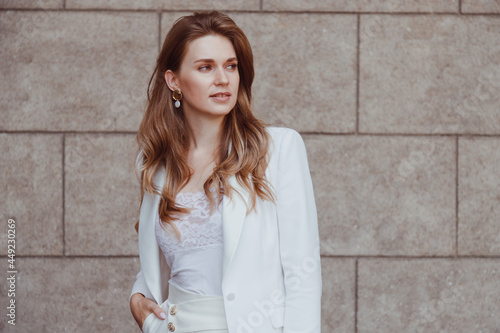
<point x="142" y="307"/>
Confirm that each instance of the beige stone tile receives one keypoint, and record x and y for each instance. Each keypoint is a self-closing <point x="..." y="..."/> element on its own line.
<point x="38" y="4"/>
<point x="31" y="192"/>
<point x="428" y="295"/>
<point x="305" y="69"/>
<point x="166" y="4"/>
<point x="384" y="195"/>
<point x="307" y="82"/>
<point x="101" y="195"/>
<point x="479" y="196"/>
<point x="481" y="6"/>
<point x="337" y="310"/>
<point x="75" y="70"/>
<point x="429" y="74"/>
<point x="72" y="295"/>
<point x="390" y="6"/>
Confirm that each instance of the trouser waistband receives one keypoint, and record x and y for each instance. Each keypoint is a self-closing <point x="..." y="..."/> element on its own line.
<point x="189" y="312"/>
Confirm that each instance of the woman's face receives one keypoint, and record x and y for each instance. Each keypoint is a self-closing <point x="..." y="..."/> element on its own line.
<point x="208" y="77"/>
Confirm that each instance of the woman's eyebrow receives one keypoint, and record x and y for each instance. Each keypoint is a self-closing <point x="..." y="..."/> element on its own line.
<point x="212" y="60"/>
<point x="204" y="60"/>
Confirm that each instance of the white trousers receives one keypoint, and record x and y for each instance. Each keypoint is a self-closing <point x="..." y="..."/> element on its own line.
<point x="187" y="313"/>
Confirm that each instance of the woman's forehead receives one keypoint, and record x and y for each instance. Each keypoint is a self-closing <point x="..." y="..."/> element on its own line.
<point x="214" y="47"/>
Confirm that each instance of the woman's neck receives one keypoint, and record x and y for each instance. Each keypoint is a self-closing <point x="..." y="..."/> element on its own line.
<point x="205" y="133"/>
<point x="202" y="152"/>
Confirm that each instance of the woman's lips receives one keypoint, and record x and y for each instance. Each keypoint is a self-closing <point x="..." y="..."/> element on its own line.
<point x="221" y="97"/>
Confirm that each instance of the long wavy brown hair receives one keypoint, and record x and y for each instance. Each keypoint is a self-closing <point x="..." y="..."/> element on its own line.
<point x="164" y="135"/>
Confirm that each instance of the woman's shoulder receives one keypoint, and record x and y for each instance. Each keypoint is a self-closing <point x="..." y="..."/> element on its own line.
<point x="284" y="141"/>
<point x="283" y="135"/>
<point x="281" y="132"/>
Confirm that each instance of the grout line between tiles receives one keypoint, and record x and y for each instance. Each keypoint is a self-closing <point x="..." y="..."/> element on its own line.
<point x="395" y="134"/>
<point x="67" y="132"/>
<point x="71" y="256"/>
<point x="358" y="41"/>
<point x="153" y="10"/>
<point x="401" y="134"/>
<point x="356" y="280"/>
<point x="356" y="257"/>
<point x="410" y="257"/>
<point x="457" y="203"/>
<point x="63" y="194"/>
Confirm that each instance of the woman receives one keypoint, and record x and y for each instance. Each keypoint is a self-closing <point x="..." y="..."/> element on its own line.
<point x="228" y="235"/>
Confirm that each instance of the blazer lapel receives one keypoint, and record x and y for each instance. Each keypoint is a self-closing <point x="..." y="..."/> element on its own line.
<point x="233" y="217"/>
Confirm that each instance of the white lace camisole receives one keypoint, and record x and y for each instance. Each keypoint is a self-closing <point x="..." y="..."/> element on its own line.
<point x="196" y="260"/>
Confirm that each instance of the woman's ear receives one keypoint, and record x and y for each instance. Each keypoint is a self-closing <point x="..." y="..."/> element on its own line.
<point x="171" y="80"/>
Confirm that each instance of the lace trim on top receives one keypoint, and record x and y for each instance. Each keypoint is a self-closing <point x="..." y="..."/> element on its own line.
<point x="198" y="229"/>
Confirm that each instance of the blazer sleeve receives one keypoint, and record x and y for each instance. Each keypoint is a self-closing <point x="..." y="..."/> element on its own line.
<point x="140" y="283"/>
<point x="298" y="237"/>
<point x="140" y="287"/>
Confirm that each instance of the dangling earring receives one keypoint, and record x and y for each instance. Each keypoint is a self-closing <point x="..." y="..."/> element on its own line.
<point x="177" y="96"/>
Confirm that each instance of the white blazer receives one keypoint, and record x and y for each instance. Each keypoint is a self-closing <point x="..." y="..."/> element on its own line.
<point x="271" y="262"/>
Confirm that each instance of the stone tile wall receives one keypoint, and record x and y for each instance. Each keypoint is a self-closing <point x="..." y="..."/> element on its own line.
<point x="399" y="105"/>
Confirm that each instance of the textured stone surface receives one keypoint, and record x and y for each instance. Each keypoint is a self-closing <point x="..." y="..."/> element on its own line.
<point x="102" y="195"/>
<point x="74" y="70"/>
<point x="381" y="195"/>
<point x="167" y="4"/>
<point x="31" y="192"/>
<point x="305" y="70"/>
<point x="364" y="5"/>
<point x="481" y="6"/>
<point x="38" y="4"/>
<point x="86" y="69"/>
<point x="339" y="277"/>
<point x="428" y="295"/>
<point x="479" y="196"/>
<point x="312" y="88"/>
<point x="72" y="295"/>
<point x="429" y="74"/>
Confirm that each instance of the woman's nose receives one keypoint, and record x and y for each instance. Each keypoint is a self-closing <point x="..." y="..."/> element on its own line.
<point x="221" y="77"/>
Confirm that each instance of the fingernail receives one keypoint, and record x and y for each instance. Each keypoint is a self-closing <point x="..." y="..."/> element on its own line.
<point x="163" y="315"/>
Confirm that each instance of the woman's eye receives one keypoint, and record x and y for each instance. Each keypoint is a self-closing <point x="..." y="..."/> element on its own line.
<point x="204" y="68"/>
<point x="232" y="66"/>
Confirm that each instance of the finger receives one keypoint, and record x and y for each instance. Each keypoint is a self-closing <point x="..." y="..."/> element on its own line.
<point x="159" y="312"/>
